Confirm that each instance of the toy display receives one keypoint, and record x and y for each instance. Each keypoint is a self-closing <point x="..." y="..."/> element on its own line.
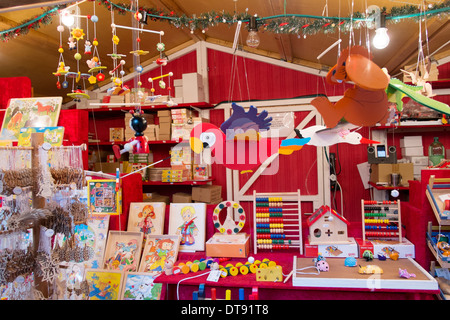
<point x="228" y="241"/>
<point x="326" y="226"/>
<point x="366" y="103"/>
<point x="381" y="219"/>
<point x="438" y="194"/>
<point x="229" y="226"/>
<point x="62" y="232"/>
<point x="277" y="221"/>
<point x="188" y="221"/>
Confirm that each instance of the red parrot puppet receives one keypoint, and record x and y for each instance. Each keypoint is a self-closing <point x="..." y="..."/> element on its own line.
<point x="238" y="144"/>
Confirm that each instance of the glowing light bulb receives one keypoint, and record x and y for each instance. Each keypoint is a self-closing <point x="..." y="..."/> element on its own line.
<point x="381" y="39"/>
<point x="68" y="19"/>
<point x="253" y="39"/>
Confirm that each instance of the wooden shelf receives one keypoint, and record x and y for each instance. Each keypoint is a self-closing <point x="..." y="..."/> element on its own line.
<point x="111" y="143"/>
<point x="413" y="127"/>
<point x="109" y="107"/>
<point x="387" y="187"/>
<point x="183" y="183"/>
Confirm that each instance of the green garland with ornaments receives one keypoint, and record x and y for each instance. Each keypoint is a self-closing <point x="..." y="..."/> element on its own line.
<point x="287" y="23"/>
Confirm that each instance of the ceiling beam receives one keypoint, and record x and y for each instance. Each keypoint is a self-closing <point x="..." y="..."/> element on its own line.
<point x="409" y="52"/>
<point x="274" y="7"/>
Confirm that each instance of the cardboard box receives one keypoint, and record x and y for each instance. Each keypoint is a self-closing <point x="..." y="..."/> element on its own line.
<point x="182" y="131"/>
<point x="163" y="113"/>
<point x="418" y="161"/>
<point x="206" y="193"/>
<point x="193" y="87"/>
<point x="411" y="141"/>
<point x="155" y="197"/>
<point x="165" y="120"/>
<point x="381" y="172"/>
<point x="163" y="137"/>
<point x="107" y="167"/>
<point x="405" y="248"/>
<point x="177" y="82"/>
<point x="165" y="127"/>
<point x="412" y="151"/>
<point x="213" y="201"/>
<point x="181" y="197"/>
<point x="228" y="246"/>
<point x="332" y="250"/>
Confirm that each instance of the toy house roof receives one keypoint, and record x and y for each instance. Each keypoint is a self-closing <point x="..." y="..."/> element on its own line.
<point x="321" y="211"/>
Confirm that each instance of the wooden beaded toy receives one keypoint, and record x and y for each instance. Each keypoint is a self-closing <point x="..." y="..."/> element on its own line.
<point x="277" y="221"/>
<point x="244" y="269"/>
<point x="381" y="219"/>
<point x="196" y="265"/>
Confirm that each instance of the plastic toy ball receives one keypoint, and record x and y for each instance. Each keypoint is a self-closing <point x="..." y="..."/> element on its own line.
<point x="94" y="18"/>
<point x="251" y="259"/>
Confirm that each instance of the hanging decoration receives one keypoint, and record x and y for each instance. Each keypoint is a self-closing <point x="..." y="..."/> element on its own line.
<point x="366" y="103"/>
<point x="118" y="63"/>
<point x="94" y="64"/>
<point x="61" y="69"/>
<point x="286" y="23"/>
<point x="76" y="35"/>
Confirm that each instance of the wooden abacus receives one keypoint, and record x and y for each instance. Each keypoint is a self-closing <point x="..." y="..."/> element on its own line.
<point x="277" y="221"/>
<point x="381" y="220"/>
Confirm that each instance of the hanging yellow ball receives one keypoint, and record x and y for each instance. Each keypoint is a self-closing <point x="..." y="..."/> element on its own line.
<point x="60" y="50"/>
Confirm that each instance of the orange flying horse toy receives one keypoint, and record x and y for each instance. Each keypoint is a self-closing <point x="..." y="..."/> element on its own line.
<point x="366" y="104"/>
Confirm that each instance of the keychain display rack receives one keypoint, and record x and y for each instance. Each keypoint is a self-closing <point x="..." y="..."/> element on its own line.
<point x="381" y="219"/>
<point x="277" y="221"/>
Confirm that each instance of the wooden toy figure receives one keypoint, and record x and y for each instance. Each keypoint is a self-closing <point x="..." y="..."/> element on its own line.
<point x="139" y="143"/>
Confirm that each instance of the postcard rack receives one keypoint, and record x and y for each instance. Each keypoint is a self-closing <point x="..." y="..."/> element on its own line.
<point x="381" y="220"/>
<point x="277" y="221"/>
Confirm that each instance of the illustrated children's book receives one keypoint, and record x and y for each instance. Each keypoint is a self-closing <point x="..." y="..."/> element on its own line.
<point x="29" y="112"/>
<point x="123" y="250"/>
<point x="94" y="235"/>
<point x="104" y="197"/>
<point x="147" y="217"/>
<point x="188" y="221"/>
<point x="140" y="286"/>
<point x="52" y="135"/>
<point x="159" y="250"/>
<point x="104" y="284"/>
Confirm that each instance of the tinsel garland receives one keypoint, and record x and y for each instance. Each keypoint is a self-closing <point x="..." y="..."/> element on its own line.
<point x="288" y="23"/>
<point x="34" y="23"/>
